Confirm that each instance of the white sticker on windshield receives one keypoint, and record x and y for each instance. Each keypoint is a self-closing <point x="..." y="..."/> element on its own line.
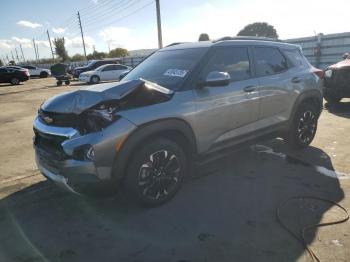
<point x="175" y="72"/>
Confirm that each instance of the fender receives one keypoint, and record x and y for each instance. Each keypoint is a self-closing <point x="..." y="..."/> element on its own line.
<point x="151" y="129"/>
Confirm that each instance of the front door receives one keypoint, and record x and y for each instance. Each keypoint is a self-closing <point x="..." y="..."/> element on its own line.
<point x="226" y="112"/>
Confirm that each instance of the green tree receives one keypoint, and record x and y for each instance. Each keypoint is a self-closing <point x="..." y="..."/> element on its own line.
<point x="259" y="29"/>
<point x="77" y="57"/>
<point x="118" y="52"/>
<point x="204" y="37"/>
<point x="96" y="55"/>
<point x="1" y="63"/>
<point x="60" y="49"/>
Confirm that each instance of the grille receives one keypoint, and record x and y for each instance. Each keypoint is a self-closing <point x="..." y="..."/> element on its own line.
<point x="49" y="146"/>
<point x="58" y="119"/>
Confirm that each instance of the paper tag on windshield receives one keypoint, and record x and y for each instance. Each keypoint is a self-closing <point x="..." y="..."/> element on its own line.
<point x="175" y="72"/>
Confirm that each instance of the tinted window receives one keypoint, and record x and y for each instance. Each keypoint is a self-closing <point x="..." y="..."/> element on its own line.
<point x="233" y="60"/>
<point x="109" y="68"/>
<point x="269" y="61"/>
<point x="296" y="58"/>
<point x="120" y="67"/>
<point x="168" y="68"/>
<point x="3" y="70"/>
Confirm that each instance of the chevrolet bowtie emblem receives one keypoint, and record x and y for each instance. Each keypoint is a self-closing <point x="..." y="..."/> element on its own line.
<point x="48" y="120"/>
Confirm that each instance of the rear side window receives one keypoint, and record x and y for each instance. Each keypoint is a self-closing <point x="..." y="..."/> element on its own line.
<point x="296" y="58"/>
<point x="269" y="61"/>
<point x="233" y="60"/>
<point x="3" y="70"/>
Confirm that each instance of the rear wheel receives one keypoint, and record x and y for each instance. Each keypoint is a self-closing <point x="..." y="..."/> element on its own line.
<point x="14" y="81"/>
<point x="44" y="74"/>
<point x="59" y="82"/>
<point x="304" y="126"/>
<point x="155" y="172"/>
<point x="67" y="82"/>
<point x="94" y="80"/>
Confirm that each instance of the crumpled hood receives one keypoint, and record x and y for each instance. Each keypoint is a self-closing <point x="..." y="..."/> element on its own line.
<point x="341" y="64"/>
<point x="78" y="101"/>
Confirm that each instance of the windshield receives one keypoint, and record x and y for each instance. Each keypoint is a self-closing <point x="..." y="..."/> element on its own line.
<point x="91" y="63"/>
<point x="167" y="68"/>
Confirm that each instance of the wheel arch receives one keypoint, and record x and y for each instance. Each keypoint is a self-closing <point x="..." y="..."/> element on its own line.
<point x="311" y="96"/>
<point x="174" y="129"/>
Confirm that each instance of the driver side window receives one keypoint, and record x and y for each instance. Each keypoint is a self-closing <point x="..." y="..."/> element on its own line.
<point x="233" y="60"/>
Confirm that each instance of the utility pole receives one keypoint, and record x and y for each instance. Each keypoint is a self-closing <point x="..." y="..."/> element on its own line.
<point x="16" y="54"/>
<point x="48" y="36"/>
<point x="20" y="46"/>
<point x="82" y="35"/>
<point x="37" y="50"/>
<point x="159" y="25"/>
<point x="13" y="58"/>
<point x="36" y="55"/>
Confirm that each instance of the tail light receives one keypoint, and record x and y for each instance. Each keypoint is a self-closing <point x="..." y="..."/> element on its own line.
<point x="26" y="73"/>
<point x="318" y="72"/>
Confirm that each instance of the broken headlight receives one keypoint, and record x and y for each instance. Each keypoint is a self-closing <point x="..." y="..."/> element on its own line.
<point x="99" y="117"/>
<point x="328" y="73"/>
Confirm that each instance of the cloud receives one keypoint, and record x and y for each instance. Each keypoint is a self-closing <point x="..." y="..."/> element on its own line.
<point x="58" y="30"/>
<point x="76" y="42"/>
<point x="5" y="44"/>
<point x="126" y="38"/>
<point x="25" y="42"/>
<point x="28" y="24"/>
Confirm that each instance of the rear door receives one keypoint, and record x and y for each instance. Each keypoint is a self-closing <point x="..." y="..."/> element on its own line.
<point x="119" y="69"/>
<point x="226" y="112"/>
<point x="275" y="85"/>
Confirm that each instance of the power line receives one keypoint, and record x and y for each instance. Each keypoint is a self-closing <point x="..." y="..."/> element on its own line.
<point x="122" y="17"/>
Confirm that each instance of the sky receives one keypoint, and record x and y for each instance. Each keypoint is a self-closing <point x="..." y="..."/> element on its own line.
<point x="131" y="24"/>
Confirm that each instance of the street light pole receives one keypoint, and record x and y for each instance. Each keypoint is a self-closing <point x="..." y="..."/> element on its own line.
<point x="159" y="26"/>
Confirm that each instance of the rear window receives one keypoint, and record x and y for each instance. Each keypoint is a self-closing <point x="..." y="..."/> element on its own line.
<point x="269" y="61"/>
<point x="296" y="58"/>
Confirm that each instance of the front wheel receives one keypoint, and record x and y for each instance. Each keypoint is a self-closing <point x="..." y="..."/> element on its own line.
<point x="44" y="75"/>
<point x="15" y="81"/>
<point x="155" y="172"/>
<point x="304" y="126"/>
<point x="94" y="80"/>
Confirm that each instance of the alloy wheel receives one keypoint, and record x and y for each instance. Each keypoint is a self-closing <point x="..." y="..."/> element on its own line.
<point x="159" y="175"/>
<point x="306" y="127"/>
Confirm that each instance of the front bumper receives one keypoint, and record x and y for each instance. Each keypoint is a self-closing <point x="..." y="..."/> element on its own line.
<point x="84" y="78"/>
<point x="55" y="149"/>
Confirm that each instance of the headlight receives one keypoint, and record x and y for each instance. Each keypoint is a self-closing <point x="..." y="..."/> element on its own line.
<point x="328" y="73"/>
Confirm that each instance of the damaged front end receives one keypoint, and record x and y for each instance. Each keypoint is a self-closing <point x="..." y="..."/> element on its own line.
<point x="337" y="79"/>
<point x="76" y="133"/>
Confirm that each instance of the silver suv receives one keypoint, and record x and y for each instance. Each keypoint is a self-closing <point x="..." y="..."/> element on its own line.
<point x="184" y="102"/>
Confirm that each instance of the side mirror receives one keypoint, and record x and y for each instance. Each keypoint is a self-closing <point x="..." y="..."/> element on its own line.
<point x="122" y="75"/>
<point x="216" y="78"/>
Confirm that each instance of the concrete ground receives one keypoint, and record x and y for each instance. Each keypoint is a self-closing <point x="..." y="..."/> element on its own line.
<point x="226" y="211"/>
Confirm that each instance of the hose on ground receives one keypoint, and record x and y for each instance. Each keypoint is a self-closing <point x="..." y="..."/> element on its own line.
<point x="301" y="239"/>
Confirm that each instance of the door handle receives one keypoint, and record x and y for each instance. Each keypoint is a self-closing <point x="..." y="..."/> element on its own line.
<point x="296" y="80"/>
<point x="249" y="89"/>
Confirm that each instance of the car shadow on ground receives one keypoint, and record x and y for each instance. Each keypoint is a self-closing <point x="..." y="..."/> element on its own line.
<point x="341" y="109"/>
<point x="225" y="212"/>
<point x="6" y="85"/>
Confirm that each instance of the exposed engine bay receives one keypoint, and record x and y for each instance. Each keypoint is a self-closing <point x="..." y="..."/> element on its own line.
<point x="94" y="108"/>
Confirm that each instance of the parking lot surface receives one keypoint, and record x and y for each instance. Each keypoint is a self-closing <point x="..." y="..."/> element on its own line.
<point x="226" y="210"/>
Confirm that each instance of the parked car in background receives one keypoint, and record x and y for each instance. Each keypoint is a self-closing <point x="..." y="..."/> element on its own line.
<point x="13" y="76"/>
<point x="107" y="72"/>
<point x="183" y="103"/>
<point x="17" y="68"/>
<point x="92" y="65"/>
<point x="37" y="71"/>
<point x="337" y="81"/>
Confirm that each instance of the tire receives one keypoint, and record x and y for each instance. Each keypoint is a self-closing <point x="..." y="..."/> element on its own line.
<point x="94" y="80"/>
<point x="59" y="82"/>
<point x="304" y="126"/>
<point x="67" y="82"/>
<point x="14" y="81"/>
<point x="44" y="74"/>
<point x="155" y="172"/>
<point x="331" y="98"/>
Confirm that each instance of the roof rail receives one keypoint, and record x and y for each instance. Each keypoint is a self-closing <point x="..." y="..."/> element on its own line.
<point x="176" y="43"/>
<point x="228" y="38"/>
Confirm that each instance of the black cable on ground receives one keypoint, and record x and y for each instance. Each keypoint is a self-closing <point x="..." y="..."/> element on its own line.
<point x="301" y="238"/>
